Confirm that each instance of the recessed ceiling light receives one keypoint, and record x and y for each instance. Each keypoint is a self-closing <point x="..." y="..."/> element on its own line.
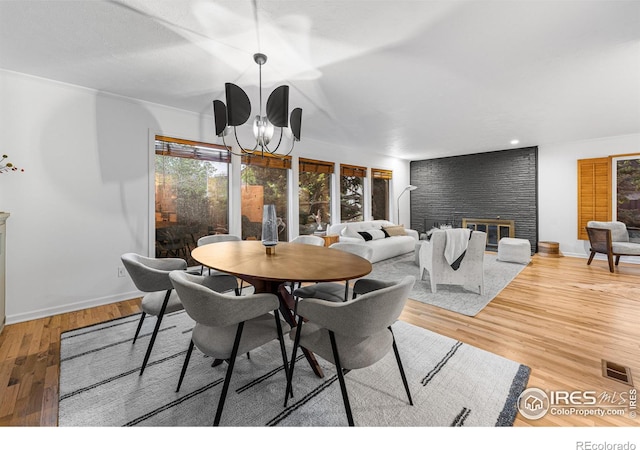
<point x="514" y="141"/>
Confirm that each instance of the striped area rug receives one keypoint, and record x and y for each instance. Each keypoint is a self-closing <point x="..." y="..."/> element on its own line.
<point x="452" y="384"/>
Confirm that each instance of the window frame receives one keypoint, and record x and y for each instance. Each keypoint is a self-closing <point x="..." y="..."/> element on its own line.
<point x="382" y="174"/>
<point x="307" y="165"/>
<point x="349" y="170"/>
<point x="202" y="151"/>
<point x="269" y="161"/>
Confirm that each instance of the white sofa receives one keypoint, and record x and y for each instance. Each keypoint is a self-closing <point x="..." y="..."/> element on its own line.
<point x="383" y="247"/>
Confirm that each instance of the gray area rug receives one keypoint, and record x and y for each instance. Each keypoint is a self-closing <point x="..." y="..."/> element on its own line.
<point x="452" y="384"/>
<point x="497" y="275"/>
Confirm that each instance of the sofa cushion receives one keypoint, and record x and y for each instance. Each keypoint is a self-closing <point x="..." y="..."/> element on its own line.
<point x="395" y="230"/>
<point x="626" y="248"/>
<point x="618" y="229"/>
<point x="390" y="247"/>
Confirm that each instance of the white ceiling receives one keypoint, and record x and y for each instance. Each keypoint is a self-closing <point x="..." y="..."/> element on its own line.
<point x="413" y="79"/>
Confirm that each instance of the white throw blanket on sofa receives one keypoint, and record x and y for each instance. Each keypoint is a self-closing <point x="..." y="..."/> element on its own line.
<point x="456" y="243"/>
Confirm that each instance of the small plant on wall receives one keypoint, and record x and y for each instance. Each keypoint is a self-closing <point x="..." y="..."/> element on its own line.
<point x="6" y="166"/>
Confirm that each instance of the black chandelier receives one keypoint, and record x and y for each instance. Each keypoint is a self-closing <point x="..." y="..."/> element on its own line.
<point x="238" y="110"/>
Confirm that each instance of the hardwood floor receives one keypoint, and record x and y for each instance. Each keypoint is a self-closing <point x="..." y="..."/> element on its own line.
<point x="559" y="316"/>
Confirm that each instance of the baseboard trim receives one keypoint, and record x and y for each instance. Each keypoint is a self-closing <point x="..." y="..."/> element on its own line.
<point x="603" y="257"/>
<point x="41" y="313"/>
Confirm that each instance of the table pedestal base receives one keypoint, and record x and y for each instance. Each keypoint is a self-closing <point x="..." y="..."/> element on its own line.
<point x="287" y="305"/>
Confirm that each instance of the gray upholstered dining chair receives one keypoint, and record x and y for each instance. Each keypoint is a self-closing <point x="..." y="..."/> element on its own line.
<point x="212" y="239"/>
<point x="335" y="292"/>
<point x="351" y="335"/>
<point x="226" y="325"/>
<point x="151" y="276"/>
<point x="309" y="239"/>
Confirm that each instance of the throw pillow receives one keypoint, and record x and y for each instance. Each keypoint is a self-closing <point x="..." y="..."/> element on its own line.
<point x="365" y="235"/>
<point x="395" y="230"/>
<point x="372" y="235"/>
<point x="349" y="232"/>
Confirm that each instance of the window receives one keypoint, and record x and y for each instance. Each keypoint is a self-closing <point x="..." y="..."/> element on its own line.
<point x="351" y="193"/>
<point x="609" y="189"/>
<point x="380" y="180"/>
<point x="191" y="194"/>
<point x="264" y="182"/>
<point x="626" y="190"/>
<point x="314" y="195"/>
<point x="594" y="193"/>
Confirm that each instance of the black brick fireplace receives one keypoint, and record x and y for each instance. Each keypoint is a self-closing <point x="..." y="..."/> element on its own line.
<point x="500" y="185"/>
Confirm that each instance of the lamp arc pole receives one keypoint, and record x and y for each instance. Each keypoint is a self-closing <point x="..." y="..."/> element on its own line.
<point x="411" y="187"/>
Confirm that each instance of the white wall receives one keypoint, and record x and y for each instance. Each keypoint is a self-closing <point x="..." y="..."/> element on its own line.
<point x="83" y="199"/>
<point x="558" y="187"/>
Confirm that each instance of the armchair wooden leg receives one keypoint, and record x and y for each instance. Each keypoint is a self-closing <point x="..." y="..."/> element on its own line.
<point x="591" y="257"/>
<point x="227" y="378"/>
<point x="617" y="259"/>
<point x="343" y="386"/>
<point x="610" y="259"/>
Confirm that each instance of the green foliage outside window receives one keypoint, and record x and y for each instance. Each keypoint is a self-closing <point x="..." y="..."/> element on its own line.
<point x="351" y="199"/>
<point x="628" y="192"/>
<point x="314" y="191"/>
<point x="274" y="184"/>
<point x="192" y="198"/>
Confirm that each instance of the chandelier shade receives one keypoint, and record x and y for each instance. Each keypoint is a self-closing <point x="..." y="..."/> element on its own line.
<point x="237" y="112"/>
<point x="238" y="105"/>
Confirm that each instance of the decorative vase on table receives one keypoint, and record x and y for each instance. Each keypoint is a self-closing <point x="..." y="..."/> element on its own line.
<point x="269" y="228"/>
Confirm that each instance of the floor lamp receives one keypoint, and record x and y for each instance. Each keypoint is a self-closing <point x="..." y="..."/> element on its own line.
<point x="408" y="188"/>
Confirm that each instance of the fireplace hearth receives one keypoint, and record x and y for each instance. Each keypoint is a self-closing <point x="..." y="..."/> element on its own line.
<point x="496" y="229"/>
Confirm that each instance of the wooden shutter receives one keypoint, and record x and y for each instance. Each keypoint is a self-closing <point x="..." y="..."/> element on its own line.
<point x="313" y="165"/>
<point x="382" y="173"/>
<point x="183" y="148"/>
<point x="347" y="170"/>
<point x="267" y="160"/>
<point x="594" y="192"/>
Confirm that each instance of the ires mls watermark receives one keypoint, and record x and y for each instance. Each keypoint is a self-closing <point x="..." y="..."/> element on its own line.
<point x="535" y="403"/>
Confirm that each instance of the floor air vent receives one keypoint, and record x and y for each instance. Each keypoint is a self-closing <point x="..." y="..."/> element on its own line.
<point x="616" y="372"/>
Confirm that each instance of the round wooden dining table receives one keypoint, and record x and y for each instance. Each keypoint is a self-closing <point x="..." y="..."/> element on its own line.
<point x="290" y="262"/>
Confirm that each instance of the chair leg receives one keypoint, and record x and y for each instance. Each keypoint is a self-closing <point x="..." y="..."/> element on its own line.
<point x="617" y="259"/>
<point x="591" y="257"/>
<point x="343" y="386"/>
<point x="346" y="290"/>
<point x="239" y="290"/>
<point x="184" y="366"/>
<point x="404" y="378"/>
<point x="139" y="326"/>
<point x="155" y="330"/>
<point x="610" y="260"/>
<point x="227" y="378"/>
<point x="296" y="344"/>
<point x="282" y="349"/>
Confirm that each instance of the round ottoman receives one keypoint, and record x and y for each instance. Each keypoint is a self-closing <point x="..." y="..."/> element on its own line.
<point x="514" y="250"/>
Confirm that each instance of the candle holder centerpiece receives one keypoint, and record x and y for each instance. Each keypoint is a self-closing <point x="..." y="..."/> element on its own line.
<point x="270" y="229"/>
